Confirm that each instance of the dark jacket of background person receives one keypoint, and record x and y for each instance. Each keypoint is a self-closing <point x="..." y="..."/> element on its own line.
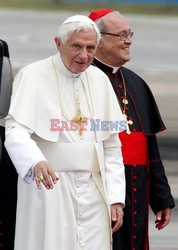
<point x="8" y="181"/>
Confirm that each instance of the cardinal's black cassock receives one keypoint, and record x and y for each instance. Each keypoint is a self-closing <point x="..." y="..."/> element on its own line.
<point x="146" y="182"/>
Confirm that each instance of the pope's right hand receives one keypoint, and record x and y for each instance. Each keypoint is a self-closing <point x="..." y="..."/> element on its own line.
<point x="45" y="174"/>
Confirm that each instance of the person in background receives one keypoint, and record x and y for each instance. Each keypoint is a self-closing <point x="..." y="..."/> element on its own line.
<point x="8" y="197"/>
<point x="71" y="174"/>
<point x="8" y="174"/>
<point x="146" y="182"/>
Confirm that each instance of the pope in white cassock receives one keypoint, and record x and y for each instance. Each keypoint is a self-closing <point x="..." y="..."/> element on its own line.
<point x="71" y="176"/>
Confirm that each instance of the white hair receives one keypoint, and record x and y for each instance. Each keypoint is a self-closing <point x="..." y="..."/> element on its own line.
<point x="67" y="29"/>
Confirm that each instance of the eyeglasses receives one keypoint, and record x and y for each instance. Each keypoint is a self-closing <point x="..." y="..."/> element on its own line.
<point x="123" y="35"/>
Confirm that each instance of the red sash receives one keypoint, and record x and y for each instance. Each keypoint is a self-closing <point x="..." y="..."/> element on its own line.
<point x="134" y="148"/>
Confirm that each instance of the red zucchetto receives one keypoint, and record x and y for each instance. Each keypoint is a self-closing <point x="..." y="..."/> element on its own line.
<point x="94" y="15"/>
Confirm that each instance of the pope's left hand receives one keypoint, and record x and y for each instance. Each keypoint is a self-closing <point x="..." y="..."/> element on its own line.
<point x="116" y="216"/>
<point x="163" y="218"/>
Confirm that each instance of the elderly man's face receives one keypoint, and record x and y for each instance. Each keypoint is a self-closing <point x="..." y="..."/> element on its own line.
<point x="115" y="50"/>
<point x="78" y="52"/>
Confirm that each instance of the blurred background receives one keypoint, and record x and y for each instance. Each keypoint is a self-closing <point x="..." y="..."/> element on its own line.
<point x="29" y="27"/>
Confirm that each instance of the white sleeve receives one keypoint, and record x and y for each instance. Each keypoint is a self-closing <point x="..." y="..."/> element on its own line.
<point x="22" y="150"/>
<point x="115" y="170"/>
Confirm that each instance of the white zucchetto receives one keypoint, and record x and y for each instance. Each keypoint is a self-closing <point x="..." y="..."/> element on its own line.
<point x="78" y="18"/>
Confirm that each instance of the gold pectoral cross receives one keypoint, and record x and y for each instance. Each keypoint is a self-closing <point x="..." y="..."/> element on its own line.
<point x="129" y="122"/>
<point x="79" y="118"/>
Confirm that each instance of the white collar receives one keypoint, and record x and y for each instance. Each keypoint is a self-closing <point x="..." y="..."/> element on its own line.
<point x="115" y="69"/>
<point x="62" y="68"/>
